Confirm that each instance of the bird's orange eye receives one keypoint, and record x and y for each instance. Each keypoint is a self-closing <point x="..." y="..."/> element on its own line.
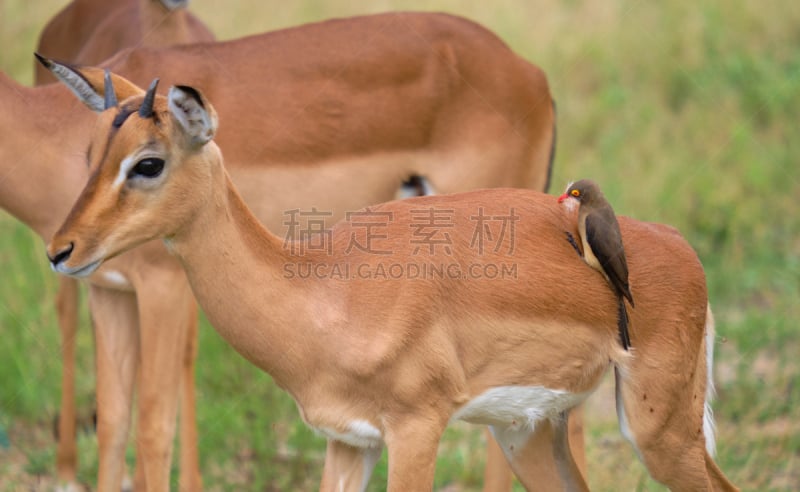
<point x="575" y="193"/>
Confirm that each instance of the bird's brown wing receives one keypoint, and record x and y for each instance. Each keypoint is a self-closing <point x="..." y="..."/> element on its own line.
<point x="606" y="242"/>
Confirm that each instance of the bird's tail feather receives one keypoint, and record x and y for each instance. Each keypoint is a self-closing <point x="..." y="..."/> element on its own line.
<point x="622" y="324"/>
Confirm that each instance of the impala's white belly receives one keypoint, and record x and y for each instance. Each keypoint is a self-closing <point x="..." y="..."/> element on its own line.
<point x="512" y="412"/>
<point x="517" y="406"/>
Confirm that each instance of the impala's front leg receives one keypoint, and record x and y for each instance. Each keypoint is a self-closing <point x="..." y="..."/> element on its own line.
<point x="412" y="443"/>
<point x="116" y="356"/>
<point x="66" y="451"/>
<point x="165" y="309"/>
<point x="347" y="468"/>
<point x="190" y="478"/>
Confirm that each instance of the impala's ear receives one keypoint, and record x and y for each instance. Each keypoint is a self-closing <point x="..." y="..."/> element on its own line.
<point x="88" y="83"/>
<point x="193" y="114"/>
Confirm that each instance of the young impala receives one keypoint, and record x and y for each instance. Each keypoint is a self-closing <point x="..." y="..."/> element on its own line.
<point x="346" y="122"/>
<point x="390" y="358"/>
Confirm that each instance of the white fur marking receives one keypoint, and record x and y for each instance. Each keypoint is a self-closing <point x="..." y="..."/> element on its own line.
<point x="68" y="487"/>
<point x="191" y="116"/>
<point x="116" y="278"/>
<point x="175" y="4"/>
<point x="79" y="272"/>
<point x="517" y="407"/>
<point x="509" y="439"/>
<point x="124" y="168"/>
<point x="571" y="204"/>
<point x="708" y="414"/>
<point x="427" y="188"/>
<point x="512" y="412"/>
<point x="78" y="86"/>
<point x="371" y="457"/>
<point x="169" y="245"/>
<point x="408" y="191"/>
<point x="622" y="417"/>
<point x="360" y="434"/>
<point x="127" y="484"/>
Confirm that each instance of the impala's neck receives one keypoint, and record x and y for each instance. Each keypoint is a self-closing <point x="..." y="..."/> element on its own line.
<point x="270" y="320"/>
<point x="43" y="137"/>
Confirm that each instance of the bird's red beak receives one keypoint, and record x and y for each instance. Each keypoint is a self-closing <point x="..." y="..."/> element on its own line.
<point x="562" y="198"/>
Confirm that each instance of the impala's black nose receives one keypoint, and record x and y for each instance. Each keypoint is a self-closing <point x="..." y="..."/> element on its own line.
<point x="61" y="255"/>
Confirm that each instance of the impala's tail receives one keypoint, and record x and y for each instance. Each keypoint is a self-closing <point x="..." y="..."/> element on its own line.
<point x="708" y="413"/>
<point x="552" y="149"/>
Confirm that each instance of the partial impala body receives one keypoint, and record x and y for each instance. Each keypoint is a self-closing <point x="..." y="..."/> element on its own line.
<point x="389" y="359"/>
<point x="432" y="95"/>
<point x="88" y="32"/>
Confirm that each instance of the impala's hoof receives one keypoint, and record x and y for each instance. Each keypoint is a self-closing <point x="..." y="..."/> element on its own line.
<point x="69" y="487"/>
<point x="127" y="484"/>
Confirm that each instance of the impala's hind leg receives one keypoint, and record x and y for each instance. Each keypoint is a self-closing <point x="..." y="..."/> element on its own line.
<point x="661" y="404"/>
<point x="568" y="470"/>
<point x="498" y="477"/>
<point x="541" y="457"/>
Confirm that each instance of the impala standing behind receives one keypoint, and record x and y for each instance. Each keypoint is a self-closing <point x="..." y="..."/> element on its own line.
<point x="88" y="32"/>
<point x="367" y="100"/>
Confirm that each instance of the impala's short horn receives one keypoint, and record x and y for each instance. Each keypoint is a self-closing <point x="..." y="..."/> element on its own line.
<point x="146" y="110"/>
<point x="111" y="96"/>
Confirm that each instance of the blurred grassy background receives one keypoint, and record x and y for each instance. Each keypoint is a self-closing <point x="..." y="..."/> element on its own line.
<point x="685" y="112"/>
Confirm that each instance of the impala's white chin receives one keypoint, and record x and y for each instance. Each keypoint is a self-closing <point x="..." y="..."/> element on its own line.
<point x="79" y="272"/>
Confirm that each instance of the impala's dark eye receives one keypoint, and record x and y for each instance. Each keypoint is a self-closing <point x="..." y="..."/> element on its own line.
<point x="147" y="168"/>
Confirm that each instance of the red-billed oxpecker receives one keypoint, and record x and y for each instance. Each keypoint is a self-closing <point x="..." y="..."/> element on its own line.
<point x="602" y="242"/>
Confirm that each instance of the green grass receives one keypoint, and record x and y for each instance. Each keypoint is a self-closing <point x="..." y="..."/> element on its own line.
<point x="686" y="113"/>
